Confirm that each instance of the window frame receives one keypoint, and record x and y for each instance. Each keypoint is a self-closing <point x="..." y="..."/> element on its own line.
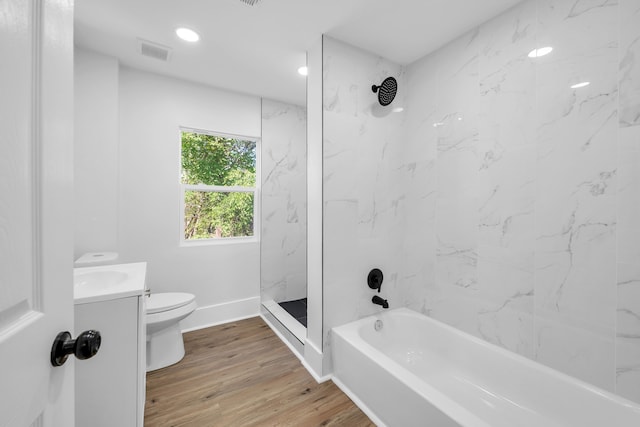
<point x="255" y="190"/>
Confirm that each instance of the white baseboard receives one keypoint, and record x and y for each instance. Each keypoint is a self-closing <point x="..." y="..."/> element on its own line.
<point x="217" y="314"/>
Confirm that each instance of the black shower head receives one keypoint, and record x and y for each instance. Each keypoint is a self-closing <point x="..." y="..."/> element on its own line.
<point x="386" y="91"/>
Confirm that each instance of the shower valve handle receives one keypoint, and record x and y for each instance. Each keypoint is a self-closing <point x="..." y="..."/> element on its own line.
<point x="374" y="279"/>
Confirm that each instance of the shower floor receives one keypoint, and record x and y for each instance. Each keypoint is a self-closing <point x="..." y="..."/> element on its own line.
<point x="297" y="309"/>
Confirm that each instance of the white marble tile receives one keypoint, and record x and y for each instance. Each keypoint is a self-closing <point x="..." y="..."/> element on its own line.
<point x="629" y="245"/>
<point x="455" y="306"/>
<point x="628" y="322"/>
<point x="575" y="273"/>
<point x="457" y="240"/>
<point x="629" y="178"/>
<point x="509" y="325"/>
<point x="283" y="202"/>
<point x="628" y="139"/>
<point x="507" y="82"/>
<point x="421" y="112"/>
<point x="363" y="175"/>
<point x="577" y="29"/>
<point x="576" y="347"/>
<point x="629" y="63"/>
<point x="506" y="207"/>
<point x="628" y="332"/>
<point x="416" y="271"/>
<point x="576" y="189"/>
<point x="525" y="183"/>
<point x="457" y="164"/>
<point x="628" y="302"/>
<point x="505" y="289"/>
<point x="340" y="174"/>
<point x="500" y="203"/>
<point x="507" y="132"/>
<point x="503" y="179"/>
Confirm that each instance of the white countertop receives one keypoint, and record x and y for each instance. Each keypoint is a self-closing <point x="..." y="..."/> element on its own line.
<point x="108" y="282"/>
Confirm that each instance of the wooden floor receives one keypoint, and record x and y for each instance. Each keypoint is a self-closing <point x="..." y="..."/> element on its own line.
<point x="241" y="374"/>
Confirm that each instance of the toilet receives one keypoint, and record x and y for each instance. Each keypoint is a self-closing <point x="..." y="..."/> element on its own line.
<point x="164" y="311"/>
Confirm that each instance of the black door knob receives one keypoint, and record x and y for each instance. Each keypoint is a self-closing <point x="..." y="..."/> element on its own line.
<point x="84" y="347"/>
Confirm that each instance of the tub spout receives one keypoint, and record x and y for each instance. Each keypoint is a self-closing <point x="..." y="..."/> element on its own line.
<point x="377" y="300"/>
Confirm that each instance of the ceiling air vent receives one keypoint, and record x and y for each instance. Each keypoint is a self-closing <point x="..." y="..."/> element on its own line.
<point x="154" y="50"/>
<point x="250" y="2"/>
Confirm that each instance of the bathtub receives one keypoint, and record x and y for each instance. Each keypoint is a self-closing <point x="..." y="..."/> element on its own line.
<point x="416" y="371"/>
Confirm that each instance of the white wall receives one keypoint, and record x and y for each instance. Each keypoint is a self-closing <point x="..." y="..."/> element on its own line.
<point x="96" y="152"/>
<point x="138" y="206"/>
<point x="152" y="110"/>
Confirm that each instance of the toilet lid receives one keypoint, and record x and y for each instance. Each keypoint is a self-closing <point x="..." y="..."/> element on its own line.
<point x="157" y="303"/>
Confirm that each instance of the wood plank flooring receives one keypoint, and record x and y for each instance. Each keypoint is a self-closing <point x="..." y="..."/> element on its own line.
<point x="240" y="374"/>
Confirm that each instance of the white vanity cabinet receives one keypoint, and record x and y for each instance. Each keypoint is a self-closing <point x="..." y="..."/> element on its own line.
<point x="110" y="387"/>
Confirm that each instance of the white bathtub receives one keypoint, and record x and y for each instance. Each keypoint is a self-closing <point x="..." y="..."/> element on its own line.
<point x="416" y="371"/>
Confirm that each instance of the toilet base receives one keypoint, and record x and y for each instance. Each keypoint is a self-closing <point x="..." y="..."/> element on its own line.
<point x="164" y="347"/>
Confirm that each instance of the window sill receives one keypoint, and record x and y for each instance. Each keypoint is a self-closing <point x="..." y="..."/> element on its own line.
<point x="218" y="242"/>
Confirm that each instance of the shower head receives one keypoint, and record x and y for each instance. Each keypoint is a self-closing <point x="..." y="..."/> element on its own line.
<point x="386" y="91"/>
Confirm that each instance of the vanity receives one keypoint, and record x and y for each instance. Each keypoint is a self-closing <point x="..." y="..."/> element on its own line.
<point x="110" y="387"/>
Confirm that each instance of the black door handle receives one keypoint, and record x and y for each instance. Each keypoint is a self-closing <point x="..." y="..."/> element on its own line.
<point x="84" y="347"/>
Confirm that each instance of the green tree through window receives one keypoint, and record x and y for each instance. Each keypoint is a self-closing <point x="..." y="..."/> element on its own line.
<point x="219" y="177"/>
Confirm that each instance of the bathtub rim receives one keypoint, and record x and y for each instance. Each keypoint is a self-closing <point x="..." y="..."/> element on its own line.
<point x="445" y="404"/>
<point x="455" y="410"/>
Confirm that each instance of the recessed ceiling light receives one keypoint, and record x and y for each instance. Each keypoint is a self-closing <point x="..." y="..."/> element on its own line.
<point x="398" y="109"/>
<point x="536" y="53"/>
<point x="303" y="71"/>
<point x="579" y="85"/>
<point x="187" y="34"/>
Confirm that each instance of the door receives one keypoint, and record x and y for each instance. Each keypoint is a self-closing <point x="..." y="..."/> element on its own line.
<point x="36" y="190"/>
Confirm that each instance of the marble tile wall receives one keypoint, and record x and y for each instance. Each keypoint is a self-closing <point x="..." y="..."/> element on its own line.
<point x="533" y="187"/>
<point x="628" y="204"/>
<point x="505" y="177"/>
<point x="363" y="203"/>
<point x="283" y="191"/>
<point x="501" y="201"/>
<point x="575" y="209"/>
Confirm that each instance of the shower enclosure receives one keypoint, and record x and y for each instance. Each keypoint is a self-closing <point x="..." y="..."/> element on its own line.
<point x="283" y="237"/>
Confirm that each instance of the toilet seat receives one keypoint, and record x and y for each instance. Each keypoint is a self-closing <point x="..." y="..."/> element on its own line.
<point x="158" y="303"/>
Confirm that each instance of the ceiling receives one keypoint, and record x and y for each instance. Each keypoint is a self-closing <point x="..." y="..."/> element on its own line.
<point x="258" y="49"/>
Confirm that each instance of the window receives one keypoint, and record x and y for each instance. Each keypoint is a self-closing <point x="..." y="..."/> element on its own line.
<point x="218" y="179"/>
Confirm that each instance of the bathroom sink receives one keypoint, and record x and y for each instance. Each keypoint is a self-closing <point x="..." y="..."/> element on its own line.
<point x="92" y="284"/>
<point x="99" y="279"/>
